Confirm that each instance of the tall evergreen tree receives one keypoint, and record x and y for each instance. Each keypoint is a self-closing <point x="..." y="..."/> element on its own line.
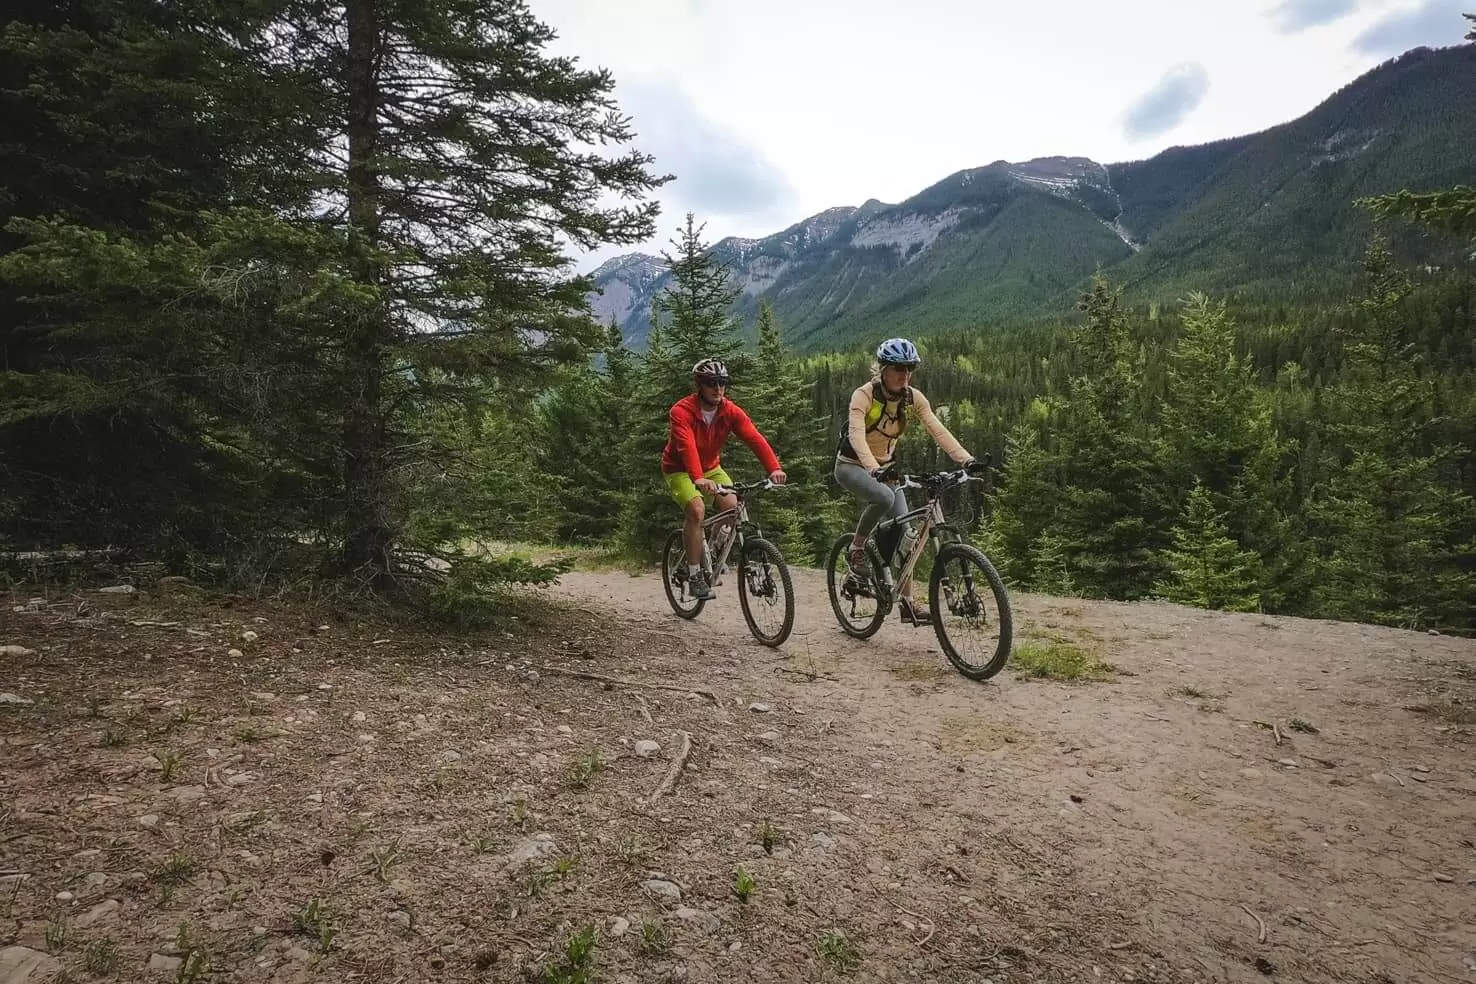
<point x="1217" y="435"/>
<point x="583" y="437"/>
<point x="1394" y="524"/>
<point x="690" y="320"/>
<point x="1206" y="566"/>
<point x="1112" y="509"/>
<point x="439" y="172"/>
<point x="126" y="124"/>
<point x="777" y="397"/>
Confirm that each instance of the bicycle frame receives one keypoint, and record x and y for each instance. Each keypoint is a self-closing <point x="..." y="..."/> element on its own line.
<point x="934" y="522"/>
<point x="743" y="526"/>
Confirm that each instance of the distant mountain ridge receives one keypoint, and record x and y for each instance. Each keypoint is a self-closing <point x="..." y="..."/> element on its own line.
<point x="1261" y="213"/>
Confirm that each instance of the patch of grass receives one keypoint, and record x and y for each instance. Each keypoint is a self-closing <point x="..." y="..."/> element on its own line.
<point x="838" y="952"/>
<point x="577" y="966"/>
<point x="176" y="870"/>
<point x="1058" y="661"/>
<point x="168" y="762"/>
<point x="915" y="671"/>
<point x="1305" y="727"/>
<point x="56" y="936"/>
<point x="653" y="935"/>
<point x="101" y="958"/>
<point x="312" y="920"/>
<point x="383" y="861"/>
<point x="769" y="836"/>
<point x="743" y="885"/>
<point x="586" y="768"/>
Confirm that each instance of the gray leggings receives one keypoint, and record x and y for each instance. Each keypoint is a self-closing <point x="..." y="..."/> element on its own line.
<point x="881" y="500"/>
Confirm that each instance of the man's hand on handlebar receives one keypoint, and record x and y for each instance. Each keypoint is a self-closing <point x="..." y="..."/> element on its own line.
<point x="706" y="485"/>
<point x="777" y="476"/>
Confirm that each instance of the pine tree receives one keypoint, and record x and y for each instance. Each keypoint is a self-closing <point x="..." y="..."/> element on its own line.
<point x="438" y="160"/>
<point x="1390" y="515"/>
<point x="126" y="124"/>
<point x="1206" y="566"/>
<point x="697" y="302"/>
<point x="582" y="450"/>
<point x="690" y="320"/>
<point x="1024" y="506"/>
<point x="1113" y="499"/>
<point x="1217" y="435"/>
<point x="777" y="399"/>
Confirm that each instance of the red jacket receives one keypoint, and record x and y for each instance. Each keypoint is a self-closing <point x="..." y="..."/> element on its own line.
<point x="695" y="446"/>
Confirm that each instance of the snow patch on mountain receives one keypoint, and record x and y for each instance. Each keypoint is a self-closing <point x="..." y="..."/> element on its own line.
<point x="906" y="231"/>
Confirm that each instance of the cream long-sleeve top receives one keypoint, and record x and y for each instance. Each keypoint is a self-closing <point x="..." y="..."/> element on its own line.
<point x="874" y="449"/>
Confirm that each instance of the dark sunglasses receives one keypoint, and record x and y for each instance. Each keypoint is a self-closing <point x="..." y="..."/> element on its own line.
<point x="714" y="380"/>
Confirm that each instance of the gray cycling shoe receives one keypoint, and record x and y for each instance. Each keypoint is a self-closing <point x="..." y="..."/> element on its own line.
<point x="701" y="588"/>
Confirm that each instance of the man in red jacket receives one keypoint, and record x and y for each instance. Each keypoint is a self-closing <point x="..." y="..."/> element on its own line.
<point x="692" y="460"/>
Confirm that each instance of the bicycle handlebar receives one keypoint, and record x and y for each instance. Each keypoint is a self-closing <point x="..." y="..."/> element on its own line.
<point x="972" y="472"/>
<point x="741" y="488"/>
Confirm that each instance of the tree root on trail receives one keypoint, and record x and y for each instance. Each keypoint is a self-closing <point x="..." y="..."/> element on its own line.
<point x="677" y="765"/>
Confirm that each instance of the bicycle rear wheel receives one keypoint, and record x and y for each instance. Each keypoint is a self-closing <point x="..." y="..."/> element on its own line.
<point x="957" y="591"/>
<point x="674" y="577"/>
<point x="860" y="604"/>
<point x="765" y="591"/>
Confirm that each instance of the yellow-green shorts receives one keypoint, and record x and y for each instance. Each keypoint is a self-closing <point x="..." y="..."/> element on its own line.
<point x="683" y="491"/>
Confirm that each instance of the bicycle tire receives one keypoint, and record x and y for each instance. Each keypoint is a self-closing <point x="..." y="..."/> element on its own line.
<point x="841" y="548"/>
<point x="974" y="555"/>
<point x="674" y="539"/>
<point x="751" y="548"/>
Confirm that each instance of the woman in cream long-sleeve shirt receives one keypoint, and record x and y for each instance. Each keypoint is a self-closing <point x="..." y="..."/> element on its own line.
<point x="872" y="430"/>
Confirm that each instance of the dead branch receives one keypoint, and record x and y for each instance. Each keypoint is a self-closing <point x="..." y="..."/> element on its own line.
<point x="932" y="927"/>
<point x="579" y="675"/>
<point x="680" y="763"/>
<point x="807" y="674"/>
<point x="1261" y="937"/>
<point x="1276" y="731"/>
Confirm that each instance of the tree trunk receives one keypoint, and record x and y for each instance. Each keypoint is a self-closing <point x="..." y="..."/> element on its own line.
<point x="368" y="529"/>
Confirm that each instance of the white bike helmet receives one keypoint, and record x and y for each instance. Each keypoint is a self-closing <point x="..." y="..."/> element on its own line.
<point x="898" y="352"/>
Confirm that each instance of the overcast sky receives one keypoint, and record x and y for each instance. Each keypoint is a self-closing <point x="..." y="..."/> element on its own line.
<point x="768" y="111"/>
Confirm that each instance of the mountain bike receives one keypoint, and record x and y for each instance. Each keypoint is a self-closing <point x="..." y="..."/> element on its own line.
<point x="861" y="602"/>
<point x="764" y="585"/>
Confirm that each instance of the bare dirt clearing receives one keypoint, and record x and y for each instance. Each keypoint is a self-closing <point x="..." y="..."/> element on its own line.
<point x="200" y="791"/>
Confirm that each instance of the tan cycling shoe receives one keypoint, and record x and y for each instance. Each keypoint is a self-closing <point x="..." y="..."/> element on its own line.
<point x="913" y="612"/>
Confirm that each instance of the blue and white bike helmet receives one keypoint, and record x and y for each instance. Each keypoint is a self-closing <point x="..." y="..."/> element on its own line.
<point x="898" y="352"/>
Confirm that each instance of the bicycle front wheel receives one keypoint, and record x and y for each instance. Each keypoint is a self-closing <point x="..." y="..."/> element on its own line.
<point x="674" y="577"/>
<point x="963" y="589"/>
<point x="765" y="591"/>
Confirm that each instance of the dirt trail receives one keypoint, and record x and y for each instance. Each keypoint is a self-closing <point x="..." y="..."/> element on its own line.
<point x="210" y="788"/>
<point x="1139" y="828"/>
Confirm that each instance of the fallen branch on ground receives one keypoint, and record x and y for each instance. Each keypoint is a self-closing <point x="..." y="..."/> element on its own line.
<point x="1261" y="937"/>
<point x="669" y="782"/>
<point x="615" y="681"/>
<point x="807" y="674"/>
<point x="932" y="927"/>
